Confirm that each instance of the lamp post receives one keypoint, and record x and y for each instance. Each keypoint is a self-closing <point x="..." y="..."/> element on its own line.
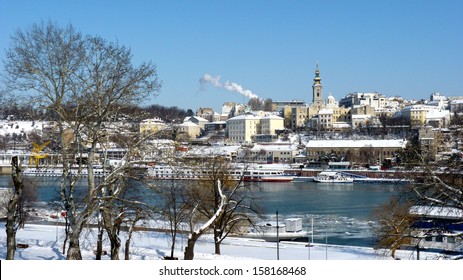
<point x="326" y="243"/>
<point x="310" y="240"/>
<point x="278" y="239"/>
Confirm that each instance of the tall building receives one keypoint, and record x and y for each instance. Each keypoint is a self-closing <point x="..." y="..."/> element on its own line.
<point x="317" y="98"/>
<point x="251" y="127"/>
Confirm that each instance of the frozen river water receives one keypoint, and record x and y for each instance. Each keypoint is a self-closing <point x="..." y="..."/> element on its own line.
<point x="341" y="213"/>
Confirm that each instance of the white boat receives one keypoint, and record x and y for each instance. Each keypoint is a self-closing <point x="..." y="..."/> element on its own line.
<point x="57" y="171"/>
<point x="290" y="230"/>
<point x="165" y="172"/>
<point x="332" y="177"/>
<point x="266" y="176"/>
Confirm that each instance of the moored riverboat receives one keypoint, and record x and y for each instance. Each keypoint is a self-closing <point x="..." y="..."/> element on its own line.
<point x="58" y="171"/>
<point x="332" y="177"/>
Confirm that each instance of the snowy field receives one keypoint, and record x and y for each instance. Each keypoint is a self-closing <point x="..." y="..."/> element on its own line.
<point x="45" y="243"/>
<point x="44" y="237"/>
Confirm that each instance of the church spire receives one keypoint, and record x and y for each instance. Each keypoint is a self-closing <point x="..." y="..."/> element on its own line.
<point x="317" y="87"/>
<point x="317" y="79"/>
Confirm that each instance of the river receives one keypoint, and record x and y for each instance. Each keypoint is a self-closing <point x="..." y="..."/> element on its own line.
<point x="341" y="213"/>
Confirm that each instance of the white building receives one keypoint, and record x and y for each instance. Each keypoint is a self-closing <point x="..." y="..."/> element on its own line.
<point x="150" y="126"/>
<point x="438" y="118"/>
<point x="271" y="123"/>
<point x="456" y="105"/>
<point x="372" y="99"/>
<point x="201" y="122"/>
<point x="379" y="149"/>
<point x="190" y="129"/>
<point x="325" y="118"/>
<point x="418" y="114"/>
<point x="242" y="127"/>
<point x="360" y="120"/>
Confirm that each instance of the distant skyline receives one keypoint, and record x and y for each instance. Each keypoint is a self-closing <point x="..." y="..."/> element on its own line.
<point x="211" y="52"/>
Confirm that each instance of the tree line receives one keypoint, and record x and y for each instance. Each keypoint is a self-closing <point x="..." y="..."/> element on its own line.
<point x="12" y="109"/>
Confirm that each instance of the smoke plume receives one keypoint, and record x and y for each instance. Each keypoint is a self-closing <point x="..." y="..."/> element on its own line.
<point x="230" y="86"/>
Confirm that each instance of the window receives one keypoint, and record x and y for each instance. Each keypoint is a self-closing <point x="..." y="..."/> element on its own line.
<point x="450" y="239"/>
<point x="440" y="238"/>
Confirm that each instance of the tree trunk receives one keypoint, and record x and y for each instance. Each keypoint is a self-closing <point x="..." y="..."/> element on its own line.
<point x="13" y="208"/>
<point x="66" y="234"/>
<point x="10" y="240"/>
<point x="190" y="247"/>
<point x="217" y="247"/>
<point x="74" y="252"/>
<point x="112" y="227"/>
<point x="99" y="244"/>
<point x="217" y="242"/>
<point x="127" y="249"/>
<point x="115" y="246"/>
<point x="172" y="247"/>
<point x="74" y="247"/>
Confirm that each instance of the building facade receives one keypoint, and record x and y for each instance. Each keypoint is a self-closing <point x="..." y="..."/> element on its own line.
<point x="378" y="150"/>
<point x="242" y="127"/>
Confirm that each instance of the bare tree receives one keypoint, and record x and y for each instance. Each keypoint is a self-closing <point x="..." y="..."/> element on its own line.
<point x="196" y="223"/>
<point x="255" y="103"/>
<point x="268" y="105"/>
<point x="240" y="208"/>
<point x="85" y="82"/>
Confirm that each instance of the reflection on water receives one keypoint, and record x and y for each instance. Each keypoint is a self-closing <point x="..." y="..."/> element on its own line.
<point x="343" y="212"/>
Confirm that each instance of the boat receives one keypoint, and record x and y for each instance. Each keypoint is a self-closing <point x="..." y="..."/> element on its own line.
<point x="57" y="171"/>
<point x="165" y="172"/>
<point x="332" y="177"/>
<point x="266" y="176"/>
<point x="290" y="230"/>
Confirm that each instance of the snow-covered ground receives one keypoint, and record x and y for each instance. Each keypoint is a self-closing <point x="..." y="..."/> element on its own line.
<point x="45" y="243"/>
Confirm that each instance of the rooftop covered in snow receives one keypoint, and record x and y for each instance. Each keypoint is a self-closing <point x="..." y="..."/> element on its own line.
<point x="392" y="143"/>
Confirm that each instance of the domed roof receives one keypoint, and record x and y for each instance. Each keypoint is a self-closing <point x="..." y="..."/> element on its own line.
<point x="330" y="101"/>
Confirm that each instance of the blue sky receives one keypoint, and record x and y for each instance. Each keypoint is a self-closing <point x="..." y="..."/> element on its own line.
<point x="399" y="48"/>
